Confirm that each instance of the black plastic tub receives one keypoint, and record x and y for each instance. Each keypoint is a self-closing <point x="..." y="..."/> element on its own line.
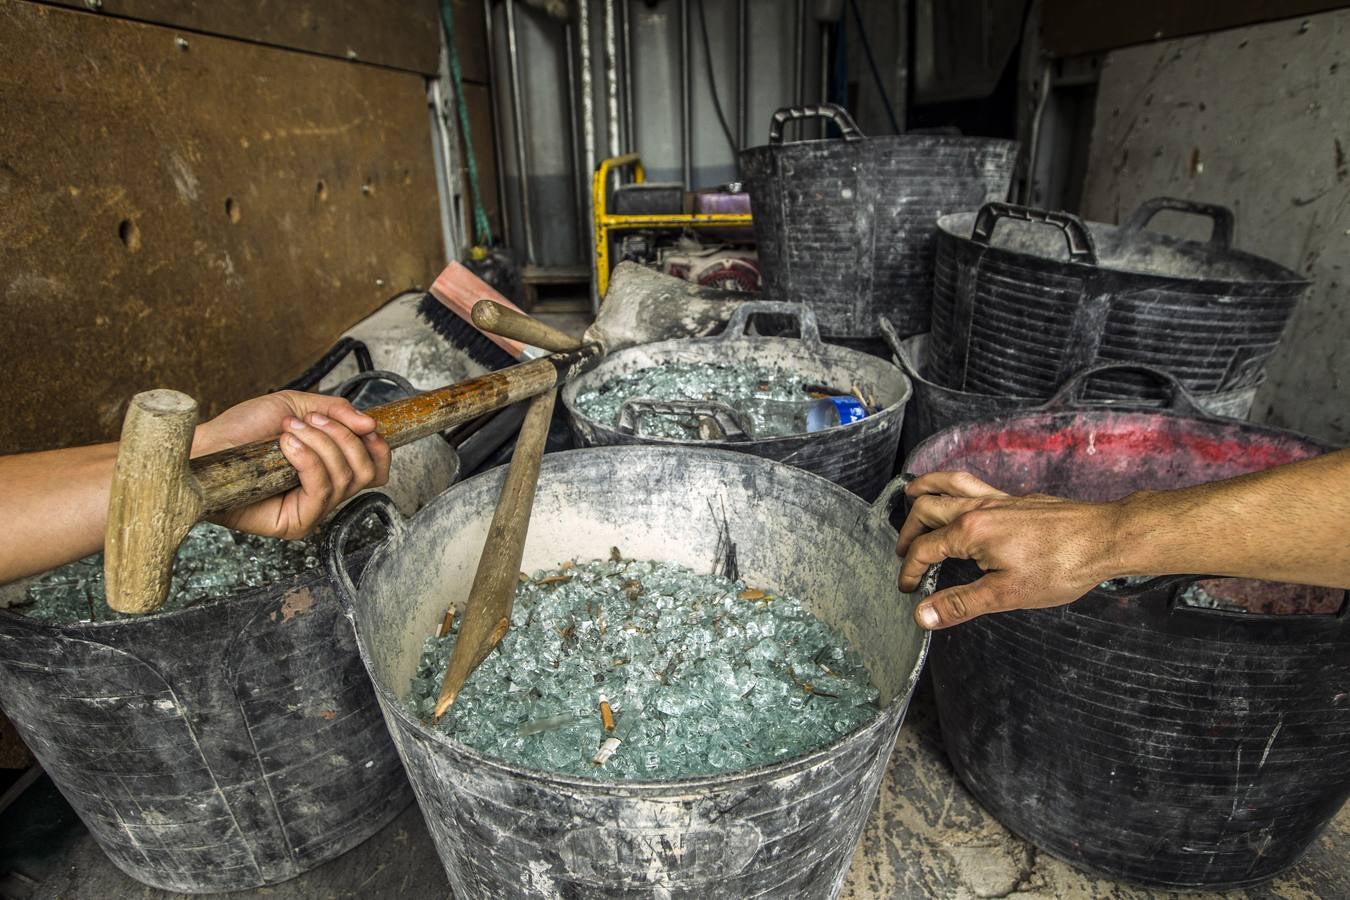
<point x="785" y="829"/>
<point x="860" y="456"/>
<point x="229" y="745"/>
<point x="847" y="226"/>
<point x="1131" y="733"/>
<point x="934" y="407"/>
<point x="1018" y="306"/>
<point x="226" y="746"/>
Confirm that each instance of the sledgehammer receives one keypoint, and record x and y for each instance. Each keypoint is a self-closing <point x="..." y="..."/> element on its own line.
<point x="158" y="494"/>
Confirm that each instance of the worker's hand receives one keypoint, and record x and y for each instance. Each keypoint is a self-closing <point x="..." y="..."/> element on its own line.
<point x="333" y="447"/>
<point x="1035" y="550"/>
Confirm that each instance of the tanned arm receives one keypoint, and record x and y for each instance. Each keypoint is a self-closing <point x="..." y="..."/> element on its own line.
<point x="1289" y="523"/>
<point x="54" y="504"/>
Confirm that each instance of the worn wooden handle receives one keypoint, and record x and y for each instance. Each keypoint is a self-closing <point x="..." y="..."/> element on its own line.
<point x="487" y="615"/>
<point x="150" y="484"/>
<point x="508" y="323"/>
<point x="252" y="472"/>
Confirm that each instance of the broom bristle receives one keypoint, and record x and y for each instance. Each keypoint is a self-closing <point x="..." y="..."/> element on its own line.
<point x="463" y="335"/>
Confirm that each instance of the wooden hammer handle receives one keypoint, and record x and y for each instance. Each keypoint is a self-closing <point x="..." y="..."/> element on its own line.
<point x="508" y="323"/>
<point x="252" y="472"/>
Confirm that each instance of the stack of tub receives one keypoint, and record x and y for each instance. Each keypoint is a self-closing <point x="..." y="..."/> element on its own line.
<point x="1023" y="298"/>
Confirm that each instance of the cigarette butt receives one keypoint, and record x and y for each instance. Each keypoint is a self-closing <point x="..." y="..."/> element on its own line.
<point x="606" y="751"/>
<point x="606" y="713"/>
<point x="752" y="594"/>
<point x="446" y="622"/>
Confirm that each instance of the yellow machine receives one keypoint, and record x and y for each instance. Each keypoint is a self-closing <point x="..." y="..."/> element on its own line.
<point x="607" y="225"/>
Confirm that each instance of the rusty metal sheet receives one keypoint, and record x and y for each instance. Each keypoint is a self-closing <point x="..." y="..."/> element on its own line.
<point x="403" y="34"/>
<point x="207" y="218"/>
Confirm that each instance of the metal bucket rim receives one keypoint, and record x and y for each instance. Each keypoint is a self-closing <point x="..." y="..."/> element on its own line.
<point x="569" y="392"/>
<point x="1291" y="280"/>
<point x="887" y="717"/>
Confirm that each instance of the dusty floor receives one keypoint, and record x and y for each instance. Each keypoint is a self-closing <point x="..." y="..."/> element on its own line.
<point x="926" y="838"/>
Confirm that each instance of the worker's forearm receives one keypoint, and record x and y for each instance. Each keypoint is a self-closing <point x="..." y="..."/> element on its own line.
<point x="53" y="506"/>
<point x="1290" y="523"/>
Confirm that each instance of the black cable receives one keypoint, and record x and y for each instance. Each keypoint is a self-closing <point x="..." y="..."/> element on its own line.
<point x="871" y="61"/>
<point x="712" y="80"/>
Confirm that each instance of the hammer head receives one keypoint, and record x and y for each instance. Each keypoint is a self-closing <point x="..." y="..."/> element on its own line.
<point x="154" y="501"/>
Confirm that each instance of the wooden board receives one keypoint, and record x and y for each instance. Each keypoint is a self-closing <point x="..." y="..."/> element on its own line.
<point x="471" y="40"/>
<point x="207" y="219"/>
<point x="403" y="34"/>
<point x="1070" y="27"/>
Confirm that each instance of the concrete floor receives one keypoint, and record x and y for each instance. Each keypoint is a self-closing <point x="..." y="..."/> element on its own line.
<point x="927" y="837"/>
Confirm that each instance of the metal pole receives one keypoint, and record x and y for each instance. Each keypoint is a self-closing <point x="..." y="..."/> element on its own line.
<point x="686" y="137"/>
<point x="743" y="74"/>
<point x="611" y="78"/>
<point x="587" y="131"/>
<point x="587" y="86"/>
<point x="629" y="123"/>
<point x="498" y="145"/>
<point x="799" y="56"/>
<point x="578" y="177"/>
<point x="824" y="73"/>
<point x="445" y="172"/>
<point x="518" y="120"/>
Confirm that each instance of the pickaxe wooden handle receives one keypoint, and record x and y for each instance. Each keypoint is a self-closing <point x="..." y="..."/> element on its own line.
<point x="158" y="494"/>
<point x="487" y="614"/>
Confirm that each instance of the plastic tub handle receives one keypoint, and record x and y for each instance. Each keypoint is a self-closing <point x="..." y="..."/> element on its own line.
<point x="1146" y="594"/>
<point x="1082" y="249"/>
<point x="1221" y="236"/>
<point x="1339" y="619"/>
<point x="335" y="544"/>
<point x="808" y="326"/>
<point x="835" y="113"/>
<point x="733" y="422"/>
<point x="1130" y="591"/>
<point x="1172" y="604"/>
<point x="352" y="386"/>
<point x="890" y="497"/>
<point x="329" y="361"/>
<point x="1070" y="393"/>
